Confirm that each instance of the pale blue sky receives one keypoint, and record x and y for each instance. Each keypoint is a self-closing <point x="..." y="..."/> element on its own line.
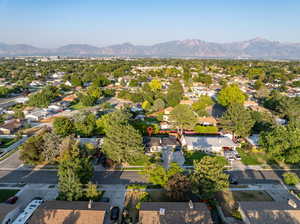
<point x="52" y="23"/>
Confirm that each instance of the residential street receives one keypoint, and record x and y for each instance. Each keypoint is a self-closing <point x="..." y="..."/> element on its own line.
<point x="126" y="177"/>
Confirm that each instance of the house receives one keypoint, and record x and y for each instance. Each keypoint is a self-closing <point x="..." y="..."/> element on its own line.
<point x="69" y="98"/>
<point x="165" y="125"/>
<point x="69" y="212"/>
<point x="270" y="212"/>
<point x="207" y="121"/>
<point x="36" y="115"/>
<point x="174" y="213"/>
<point x="8" y="213"/>
<point x="157" y="144"/>
<point x="208" y="144"/>
<point x="10" y="126"/>
<point x="186" y="102"/>
<point x="167" y="112"/>
<point x="53" y="108"/>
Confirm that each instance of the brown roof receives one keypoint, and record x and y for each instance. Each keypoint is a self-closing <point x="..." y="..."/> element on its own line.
<point x="5" y="209"/>
<point x="187" y="102"/>
<point x="175" y="213"/>
<point x="210" y="120"/>
<point x="12" y="124"/>
<point x="67" y="212"/>
<point x="169" y="109"/>
<point x="271" y="212"/>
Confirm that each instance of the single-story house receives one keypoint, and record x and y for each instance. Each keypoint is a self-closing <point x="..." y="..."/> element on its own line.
<point x="270" y="212"/>
<point x="10" y="126"/>
<point x="157" y="144"/>
<point x="209" y="144"/>
<point x="187" y="102"/>
<point x="70" y="212"/>
<point x="54" y="108"/>
<point x="165" y="125"/>
<point x="207" y="121"/>
<point x="174" y="213"/>
<point x="36" y="115"/>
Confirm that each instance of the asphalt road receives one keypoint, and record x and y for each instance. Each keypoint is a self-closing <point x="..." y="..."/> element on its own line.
<point x="126" y="177"/>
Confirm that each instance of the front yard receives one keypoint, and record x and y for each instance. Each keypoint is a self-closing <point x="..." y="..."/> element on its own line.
<point x="192" y="156"/>
<point x="6" y="194"/>
<point x="6" y="142"/>
<point x="252" y="158"/>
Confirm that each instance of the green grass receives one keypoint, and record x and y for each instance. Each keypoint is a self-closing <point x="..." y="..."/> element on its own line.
<point x="6" y="194"/>
<point x="77" y="106"/>
<point x="251" y="158"/>
<point x="190" y="157"/>
<point x="6" y="142"/>
<point x="9" y="154"/>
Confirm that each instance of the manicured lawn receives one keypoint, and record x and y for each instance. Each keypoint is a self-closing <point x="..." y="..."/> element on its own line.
<point x="6" y="194"/>
<point x="252" y="158"/>
<point x="77" y="106"/>
<point x="197" y="155"/>
<point x="5" y="142"/>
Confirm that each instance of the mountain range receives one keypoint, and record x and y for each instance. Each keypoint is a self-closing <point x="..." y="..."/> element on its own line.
<point x="257" y="48"/>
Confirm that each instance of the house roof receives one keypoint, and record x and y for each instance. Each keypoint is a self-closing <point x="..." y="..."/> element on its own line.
<point x="5" y="209"/>
<point x="270" y="212"/>
<point x="210" y="120"/>
<point x="174" y="213"/>
<point x="75" y="212"/>
<point x="160" y="141"/>
<point x="187" y="102"/>
<point x="209" y="141"/>
<point x="169" y="109"/>
<point x="12" y="124"/>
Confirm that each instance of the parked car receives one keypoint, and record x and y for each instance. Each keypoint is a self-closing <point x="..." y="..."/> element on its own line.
<point x="237" y="157"/>
<point x="12" y="200"/>
<point x="114" y="213"/>
<point x="233" y="179"/>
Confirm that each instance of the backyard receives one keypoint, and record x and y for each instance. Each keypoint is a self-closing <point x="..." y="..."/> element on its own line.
<point x="6" y="194"/>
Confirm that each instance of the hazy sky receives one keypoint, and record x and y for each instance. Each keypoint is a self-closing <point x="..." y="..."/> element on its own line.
<point x="52" y="23"/>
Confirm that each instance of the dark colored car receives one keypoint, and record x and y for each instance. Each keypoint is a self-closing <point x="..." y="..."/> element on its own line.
<point x="104" y="200"/>
<point x="12" y="200"/>
<point x="233" y="179"/>
<point x="114" y="213"/>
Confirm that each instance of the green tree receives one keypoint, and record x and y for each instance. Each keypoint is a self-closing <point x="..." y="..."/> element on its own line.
<point x="155" y="85"/>
<point x="238" y="120"/>
<point x="178" y="187"/>
<point x="158" y="104"/>
<point x="94" y="91"/>
<point x="291" y="178"/>
<point x="231" y="95"/>
<point x="117" y="117"/>
<point x="208" y="176"/>
<point x="282" y="143"/>
<point x="51" y="146"/>
<point x="69" y="185"/>
<point x="201" y="104"/>
<point x="92" y="192"/>
<point x="87" y="100"/>
<point x="183" y="117"/>
<point x="123" y="143"/>
<point x="85" y="124"/>
<point x="31" y="150"/>
<point x="174" y="94"/>
<point x="158" y="175"/>
<point x="63" y="126"/>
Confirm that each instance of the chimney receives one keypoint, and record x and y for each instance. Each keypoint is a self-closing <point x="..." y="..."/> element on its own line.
<point x="162" y="211"/>
<point x="90" y="204"/>
<point x="191" y="205"/>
